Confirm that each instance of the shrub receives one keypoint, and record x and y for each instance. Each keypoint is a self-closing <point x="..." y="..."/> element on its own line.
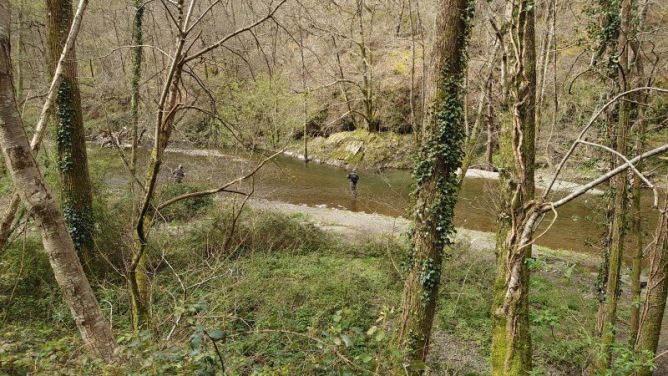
<point x="184" y="209"/>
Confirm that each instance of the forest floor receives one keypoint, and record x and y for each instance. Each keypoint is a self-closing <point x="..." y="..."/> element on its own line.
<point x="357" y="227"/>
<point x="294" y="267"/>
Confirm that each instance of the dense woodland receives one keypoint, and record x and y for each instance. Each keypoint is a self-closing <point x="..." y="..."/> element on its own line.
<point x="147" y="147"/>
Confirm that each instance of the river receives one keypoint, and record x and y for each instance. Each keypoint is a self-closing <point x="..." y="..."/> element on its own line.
<point x="578" y="226"/>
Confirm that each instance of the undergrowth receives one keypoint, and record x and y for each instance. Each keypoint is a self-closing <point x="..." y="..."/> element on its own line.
<point x="277" y="296"/>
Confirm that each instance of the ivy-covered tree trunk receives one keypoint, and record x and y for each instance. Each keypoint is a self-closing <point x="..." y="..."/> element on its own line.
<point x="138" y="280"/>
<point x="435" y="172"/>
<point x="605" y="50"/>
<point x="637" y="230"/>
<point x="511" y="339"/>
<point x="608" y="312"/>
<point x="32" y="189"/>
<point x="77" y="194"/>
<point x="137" y="54"/>
<point x="653" y="309"/>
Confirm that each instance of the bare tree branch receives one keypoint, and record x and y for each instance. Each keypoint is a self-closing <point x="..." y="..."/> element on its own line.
<point x="223" y="188"/>
<point x="632" y="166"/>
<point x="585" y="188"/>
<point x="589" y="125"/>
<point x="233" y="34"/>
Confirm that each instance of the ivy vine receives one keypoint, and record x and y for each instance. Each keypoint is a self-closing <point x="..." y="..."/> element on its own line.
<point x="65" y="115"/>
<point x="438" y="159"/>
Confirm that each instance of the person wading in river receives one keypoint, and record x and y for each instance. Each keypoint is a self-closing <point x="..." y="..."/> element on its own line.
<point x="178" y="174"/>
<point x="353" y="178"/>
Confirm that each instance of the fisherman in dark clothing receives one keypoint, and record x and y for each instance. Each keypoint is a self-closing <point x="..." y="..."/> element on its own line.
<point x="353" y="178"/>
<point x="178" y="174"/>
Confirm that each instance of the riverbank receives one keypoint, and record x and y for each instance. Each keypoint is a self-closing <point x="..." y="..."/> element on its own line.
<point x="359" y="227"/>
<point x="380" y="151"/>
<point x="385" y="192"/>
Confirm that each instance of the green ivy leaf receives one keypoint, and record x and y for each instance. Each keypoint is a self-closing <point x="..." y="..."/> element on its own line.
<point x="217" y="335"/>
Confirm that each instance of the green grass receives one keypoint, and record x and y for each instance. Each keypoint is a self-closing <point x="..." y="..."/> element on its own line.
<point x="278" y="274"/>
<point x="562" y="310"/>
<point x="281" y="297"/>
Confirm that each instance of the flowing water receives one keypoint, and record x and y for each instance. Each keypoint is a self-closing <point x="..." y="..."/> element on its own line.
<point x="578" y="226"/>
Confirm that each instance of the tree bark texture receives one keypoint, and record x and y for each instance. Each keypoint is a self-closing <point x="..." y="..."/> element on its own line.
<point x="39" y="201"/>
<point x="608" y="313"/>
<point x="637" y="229"/>
<point x="137" y="55"/>
<point x="436" y="192"/>
<point x="653" y="309"/>
<point x="77" y="192"/>
<point x="511" y="339"/>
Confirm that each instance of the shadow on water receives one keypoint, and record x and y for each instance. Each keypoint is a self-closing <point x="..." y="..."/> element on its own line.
<point x="578" y="226"/>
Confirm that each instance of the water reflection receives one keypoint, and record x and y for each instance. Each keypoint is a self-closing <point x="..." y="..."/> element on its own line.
<point x="578" y="225"/>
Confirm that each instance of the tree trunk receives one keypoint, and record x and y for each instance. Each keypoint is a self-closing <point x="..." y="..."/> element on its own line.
<point x="544" y="60"/>
<point x="636" y="267"/>
<point x="511" y="339"/>
<point x="651" y="317"/>
<point x="30" y="185"/>
<point x="435" y="171"/>
<point x="637" y="224"/>
<point x="77" y="194"/>
<point x="8" y="220"/>
<point x="342" y="86"/>
<point x="20" y="50"/>
<point x="490" y="145"/>
<point x="608" y="312"/>
<point x="638" y="112"/>
<point x="608" y="9"/>
<point x="484" y="98"/>
<point x="138" y="278"/>
<point x="7" y="224"/>
<point x="373" y="125"/>
<point x="305" y="94"/>
<point x="137" y="41"/>
<point x="138" y="281"/>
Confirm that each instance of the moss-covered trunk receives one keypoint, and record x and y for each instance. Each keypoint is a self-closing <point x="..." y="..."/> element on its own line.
<point x="608" y="310"/>
<point x="435" y="172"/>
<point x="651" y="316"/>
<point x="138" y="282"/>
<point x="511" y="339"/>
<point x="607" y="39"/>
<point x="138" y="277"/>
<point x="637" y="231"/>
<point x="30" y="185"/>
<point x="137" y="50"/>
<point x="77" y="193"/>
